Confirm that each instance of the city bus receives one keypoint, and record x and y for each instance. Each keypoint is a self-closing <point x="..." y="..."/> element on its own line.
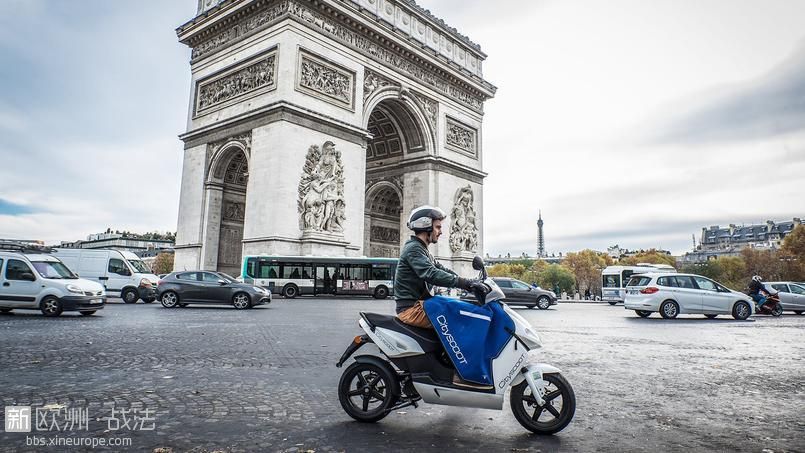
<point x="615" y="278"/>
<point x="293" y="276"/>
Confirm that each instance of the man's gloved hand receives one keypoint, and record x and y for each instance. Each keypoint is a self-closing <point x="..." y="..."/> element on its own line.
<point x="478" y="286"/>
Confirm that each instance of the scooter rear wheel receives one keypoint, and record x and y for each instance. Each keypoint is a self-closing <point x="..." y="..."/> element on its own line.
<point x="777" y="310"/>
<point x="554" y="416"/>
<point x="367" y="391"/>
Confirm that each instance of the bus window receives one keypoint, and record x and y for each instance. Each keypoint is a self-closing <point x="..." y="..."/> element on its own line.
<point x="267" y="270"/>
<point x="612" y="281"/>
<point x="251" y="266"/>
<point x="381" y="273"/>
<point x="626" y="275"/>
<point x="356" y="272"/>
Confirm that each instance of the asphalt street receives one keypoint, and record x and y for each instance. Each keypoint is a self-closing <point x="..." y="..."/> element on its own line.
<point x="264" y="379"/>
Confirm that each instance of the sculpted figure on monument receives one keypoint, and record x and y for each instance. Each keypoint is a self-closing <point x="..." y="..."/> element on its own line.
<point x="463" y="228"/>
<point x="321" y="190"/>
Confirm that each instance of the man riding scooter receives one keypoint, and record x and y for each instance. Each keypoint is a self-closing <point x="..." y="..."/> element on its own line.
<point x="418" y="270"/>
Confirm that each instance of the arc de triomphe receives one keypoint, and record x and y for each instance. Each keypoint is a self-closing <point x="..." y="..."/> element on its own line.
<point x="315" y="126"/>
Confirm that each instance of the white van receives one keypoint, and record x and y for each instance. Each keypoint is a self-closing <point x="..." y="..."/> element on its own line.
<point x="39" y="281"/>
<point x="615" y="278"/>
<point x="122" y="273"/>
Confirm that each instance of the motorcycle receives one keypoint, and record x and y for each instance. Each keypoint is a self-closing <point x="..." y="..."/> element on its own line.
<point x="771" y="305"/>
<point x="419" y="365"/>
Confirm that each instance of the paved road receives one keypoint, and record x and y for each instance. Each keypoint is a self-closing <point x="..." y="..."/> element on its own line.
<point x="215" y="378"/>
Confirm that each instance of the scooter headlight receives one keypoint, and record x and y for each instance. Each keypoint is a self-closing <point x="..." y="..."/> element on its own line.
<point x="532" y="339"/>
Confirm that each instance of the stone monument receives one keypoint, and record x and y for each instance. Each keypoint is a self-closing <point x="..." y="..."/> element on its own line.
<point x="314" y="127"/>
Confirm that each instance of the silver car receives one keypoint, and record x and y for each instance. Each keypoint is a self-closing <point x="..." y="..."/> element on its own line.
<point x="792" y="295"/>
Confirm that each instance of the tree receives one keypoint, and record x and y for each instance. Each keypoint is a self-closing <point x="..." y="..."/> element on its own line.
<point x="651" y="256"/>
<point x="792" y="254"/>
<point x="765" y="263"/>
<point x="163" y="263"/>
<point x="555" y="275"/>
<point x="586" y="266"/>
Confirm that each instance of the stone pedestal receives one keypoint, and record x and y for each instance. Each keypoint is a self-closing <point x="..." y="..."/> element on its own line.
<point x="323" y="244"/>
<point x="462" y="264"/>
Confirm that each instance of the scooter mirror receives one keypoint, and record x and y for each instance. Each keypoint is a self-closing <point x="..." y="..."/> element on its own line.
<point x="477" y="263"/>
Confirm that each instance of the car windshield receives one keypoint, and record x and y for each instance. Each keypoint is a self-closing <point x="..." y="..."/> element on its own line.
<point x="53" y="270"/>
<point x="140" y="266"/>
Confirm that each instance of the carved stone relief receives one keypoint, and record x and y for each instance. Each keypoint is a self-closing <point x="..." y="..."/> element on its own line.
<point x="431" y="108"/>
<point x="319" y="77"/>
<point x="373" y="82"/>
<point x="385" y="235"/>
<point x="234" y="211"/>
<point x="239" y="29"/>
<point x="237" y="169"/>
<point x="463" y="226"/>
<point x="460" y="137"/>
<point x="321" y="202"/>
<point x="351" y="38"/>
<point x="244" y="79"/>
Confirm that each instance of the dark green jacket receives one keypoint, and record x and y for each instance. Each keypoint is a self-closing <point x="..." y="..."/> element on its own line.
<point x="417" y="271"/>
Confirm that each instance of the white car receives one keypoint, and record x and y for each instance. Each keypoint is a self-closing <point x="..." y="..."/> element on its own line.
<point x="674" y="294"/>
<point x="39" y="281"/>
<point x="792" y="295"/>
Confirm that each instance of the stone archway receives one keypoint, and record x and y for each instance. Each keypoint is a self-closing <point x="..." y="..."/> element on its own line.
<point x="397" y="135"/>
<point x="226" y="206"/>
<point x="382" y="220"/>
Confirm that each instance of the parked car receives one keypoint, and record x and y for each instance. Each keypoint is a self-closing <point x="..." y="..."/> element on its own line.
<point x="208" y="287"/>
<point x="792" y="295"/>
<point x="122" y="273"/>
<point x="674" y="294"/>
<point x="521" y="293"/>
<point x="39" y="281"/>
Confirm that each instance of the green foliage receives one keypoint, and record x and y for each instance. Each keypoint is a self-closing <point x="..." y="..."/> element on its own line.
<point x="651" y="256"/>
<point x="556" y="275"/>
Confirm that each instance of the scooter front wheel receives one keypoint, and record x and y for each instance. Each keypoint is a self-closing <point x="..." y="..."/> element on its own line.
<point x="367" y="391"/>
<point x="554" y="415"/>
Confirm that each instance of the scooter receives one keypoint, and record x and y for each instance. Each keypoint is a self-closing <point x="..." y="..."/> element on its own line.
<point x="416" y="367"/>
<point x="771" y="305"/>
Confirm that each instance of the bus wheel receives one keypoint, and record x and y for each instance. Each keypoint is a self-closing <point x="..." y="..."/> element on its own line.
<point x="381" y="292"/>
<point x="290" y="291"/>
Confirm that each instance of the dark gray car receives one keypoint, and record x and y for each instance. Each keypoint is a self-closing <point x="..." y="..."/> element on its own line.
<point x="521" y="293"/>
<point x="207" y="287"/>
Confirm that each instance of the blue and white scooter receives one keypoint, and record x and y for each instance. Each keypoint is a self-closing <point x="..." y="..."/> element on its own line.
<point x="476" y="352"/>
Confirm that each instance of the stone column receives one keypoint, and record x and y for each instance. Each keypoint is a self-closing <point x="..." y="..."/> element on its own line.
<point x="212" y="227"/>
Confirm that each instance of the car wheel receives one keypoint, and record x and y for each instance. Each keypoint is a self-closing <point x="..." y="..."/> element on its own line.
<point x="381" y="292"/>
<point x="88" y="312"/>
<point x="129" y="296"/>
<point x="169" y="299"/>
<point x="290" y="291"/>
<point x="241" y="301"/>
<point x="612" y="303"/>
<point x="669" y="309"/>
<point x="711" y="316"/>
<point x="741" y="310"/>
<point x="543" y="302"/>
<point x="51" y="307"/>
<point x="643" y="313"/>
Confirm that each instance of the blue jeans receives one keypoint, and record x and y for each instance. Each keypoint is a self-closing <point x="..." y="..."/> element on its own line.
<point x="759" y="300"/>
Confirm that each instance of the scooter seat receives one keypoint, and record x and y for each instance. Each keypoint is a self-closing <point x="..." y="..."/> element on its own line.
<point x="426" y="338"/>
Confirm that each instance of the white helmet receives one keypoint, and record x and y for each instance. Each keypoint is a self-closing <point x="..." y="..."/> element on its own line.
<point x="757" y="278"/>
<point x="421" y="218"/>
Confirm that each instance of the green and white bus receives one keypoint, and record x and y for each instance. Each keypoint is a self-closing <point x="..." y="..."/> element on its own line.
<point x="293" y="276"/>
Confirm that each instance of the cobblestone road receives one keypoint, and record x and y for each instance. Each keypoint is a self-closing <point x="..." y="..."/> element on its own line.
<point x="215" y="378"/>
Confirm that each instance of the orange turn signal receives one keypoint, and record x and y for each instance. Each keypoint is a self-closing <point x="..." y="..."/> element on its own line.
<point x="357" y="340"/>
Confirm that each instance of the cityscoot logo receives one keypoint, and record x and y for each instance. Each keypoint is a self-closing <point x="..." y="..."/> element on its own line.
<point x="450" y="340"/>
<point x="57" y="418"/>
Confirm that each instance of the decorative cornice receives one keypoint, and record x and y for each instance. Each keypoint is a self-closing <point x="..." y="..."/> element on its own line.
<point x="247" y="20"/>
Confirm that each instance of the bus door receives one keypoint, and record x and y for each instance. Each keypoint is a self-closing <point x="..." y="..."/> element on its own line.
<point x="326" y="277"/>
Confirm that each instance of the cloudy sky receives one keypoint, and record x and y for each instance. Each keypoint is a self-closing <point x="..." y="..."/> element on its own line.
<point x="627" y="122"/>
